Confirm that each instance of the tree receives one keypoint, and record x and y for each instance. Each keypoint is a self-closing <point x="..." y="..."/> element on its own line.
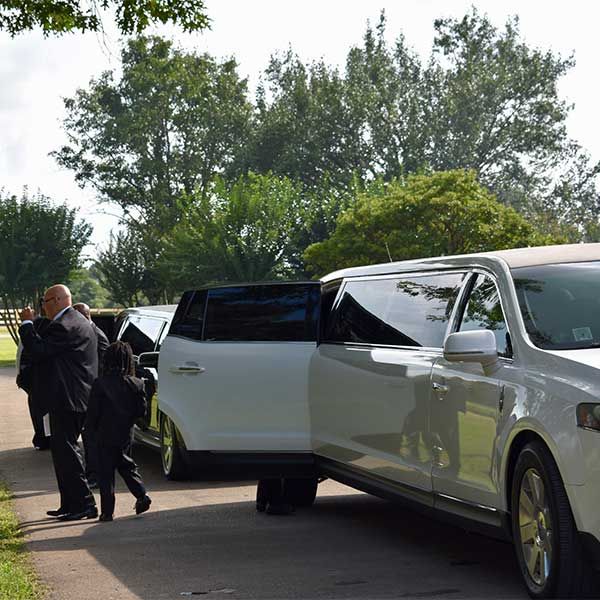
<point x="238" y="232"/>
<point x="132" y="16"/>
<point x="40" y="245"/>
<point x="121" y="269"/>
<point x="85" y="287"/>
<point x="170" y="122"/>
<point x="442" y="213"/>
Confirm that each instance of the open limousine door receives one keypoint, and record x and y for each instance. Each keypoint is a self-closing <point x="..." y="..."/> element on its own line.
<point x="233" y="373"/>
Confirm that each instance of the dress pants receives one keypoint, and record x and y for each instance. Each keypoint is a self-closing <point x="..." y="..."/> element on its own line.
<point x="90" y="447"/>
<point x="65" y="428"/>
<point x="37" y="420"/>
<point x="111" y="458"/>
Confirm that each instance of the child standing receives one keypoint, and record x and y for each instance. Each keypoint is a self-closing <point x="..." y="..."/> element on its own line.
<point x="116" y="400"/>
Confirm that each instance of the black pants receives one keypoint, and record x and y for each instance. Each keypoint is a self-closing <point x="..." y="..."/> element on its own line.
<point x="111" y="458"/>
<point x="65" y="428"/>
<point x="90" y="447"/>
<point x="37" y="420"/>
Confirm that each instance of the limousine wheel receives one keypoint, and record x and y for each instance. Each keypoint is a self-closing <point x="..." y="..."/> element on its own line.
<point x="544" y="533"/>
<point x="171" y="452"/>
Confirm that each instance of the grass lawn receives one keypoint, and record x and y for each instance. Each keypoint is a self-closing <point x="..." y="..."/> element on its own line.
<point x="17" y="579"/>
<point x="8" y="351"/>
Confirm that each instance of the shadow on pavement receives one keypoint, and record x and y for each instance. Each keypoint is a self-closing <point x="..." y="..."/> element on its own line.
<point x="344" y="546"/>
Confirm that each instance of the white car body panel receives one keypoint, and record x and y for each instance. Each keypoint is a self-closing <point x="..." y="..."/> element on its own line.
<point x="251" y="396"/>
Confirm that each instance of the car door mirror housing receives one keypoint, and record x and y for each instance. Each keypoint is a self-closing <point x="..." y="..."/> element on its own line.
<point x="148" y="360"/>
<point x="473" y="347"/>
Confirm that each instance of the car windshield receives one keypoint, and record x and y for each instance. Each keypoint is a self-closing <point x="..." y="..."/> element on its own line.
<point x="560" y="304"/>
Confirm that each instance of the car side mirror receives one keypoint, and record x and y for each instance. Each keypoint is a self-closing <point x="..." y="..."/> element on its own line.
<point x="473" y="347"/>
<point x="148" y="360"/>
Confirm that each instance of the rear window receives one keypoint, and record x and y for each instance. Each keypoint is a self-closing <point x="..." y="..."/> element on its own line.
<point x="263" y="313"/>
<point x="402" y="311"/>
<point x="141" y="333"/>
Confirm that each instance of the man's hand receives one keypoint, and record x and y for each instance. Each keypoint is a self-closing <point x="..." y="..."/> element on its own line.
<point x="27" y="314"/>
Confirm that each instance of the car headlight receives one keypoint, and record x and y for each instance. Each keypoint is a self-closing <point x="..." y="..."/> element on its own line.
<point x="588" y="416"/>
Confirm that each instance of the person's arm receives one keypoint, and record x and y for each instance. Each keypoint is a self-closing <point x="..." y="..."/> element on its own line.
<point x="55" y="341"/>
<point x="140" y="397"/>
<point x="103" y="342"/>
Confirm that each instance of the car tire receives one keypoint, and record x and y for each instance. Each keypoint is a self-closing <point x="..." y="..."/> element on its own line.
<point x="546" y="540"/>
<point x="172" y="451"/>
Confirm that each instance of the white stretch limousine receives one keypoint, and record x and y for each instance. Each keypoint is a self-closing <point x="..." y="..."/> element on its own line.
<point x="467" y="386"/>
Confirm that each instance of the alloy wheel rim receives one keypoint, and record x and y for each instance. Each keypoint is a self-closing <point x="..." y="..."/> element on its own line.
<point x="167" y="445"/>
<point x="535" y="527"/>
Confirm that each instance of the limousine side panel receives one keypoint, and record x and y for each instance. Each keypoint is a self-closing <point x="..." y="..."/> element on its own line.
<point x="237" y="397"/>
<point x="369" y="410"/>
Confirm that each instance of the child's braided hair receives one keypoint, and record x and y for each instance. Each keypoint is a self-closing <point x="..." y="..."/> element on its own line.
<point x="118" y="359"/>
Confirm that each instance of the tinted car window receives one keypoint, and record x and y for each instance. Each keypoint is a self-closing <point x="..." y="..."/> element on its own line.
<point x="263" y="313"/>
<point x="560" y="304"/>
<point x="407" y="311"/>
<point x="189" y="316"/>
<point x="484" y="311"/>
<point x="141" y="333"/>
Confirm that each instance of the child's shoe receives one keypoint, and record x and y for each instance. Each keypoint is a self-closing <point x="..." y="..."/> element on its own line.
<point x="142" y="505"/>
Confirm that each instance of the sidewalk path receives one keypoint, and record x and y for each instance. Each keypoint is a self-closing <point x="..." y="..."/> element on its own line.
<point x="207" y="541"/>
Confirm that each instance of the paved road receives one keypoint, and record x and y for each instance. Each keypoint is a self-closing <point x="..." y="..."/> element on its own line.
<point x="206" y="540"/>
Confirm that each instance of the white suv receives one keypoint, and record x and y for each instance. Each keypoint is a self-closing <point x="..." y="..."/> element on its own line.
<point x="467" y="386"/>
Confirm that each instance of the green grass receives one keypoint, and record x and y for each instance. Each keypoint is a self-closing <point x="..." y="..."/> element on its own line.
<point x="8" y="351"/>
<point x="17" y="578"/>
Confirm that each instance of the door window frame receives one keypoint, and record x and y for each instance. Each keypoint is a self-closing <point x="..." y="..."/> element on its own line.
<point x="463" y="301"/>
<point x="455" y="270"/>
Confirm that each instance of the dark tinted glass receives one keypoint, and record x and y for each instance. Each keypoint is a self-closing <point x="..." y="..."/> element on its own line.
<point x="395" y="312"/>
<point x="263" y="313"/>
<point x="484" y="311"/>
<point x="189" y="316"/>
<point x="560" y="304"/>
<point x="141" y="333"/>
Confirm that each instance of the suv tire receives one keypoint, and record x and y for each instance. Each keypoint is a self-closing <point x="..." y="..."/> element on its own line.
<point x="172" y="452"/>
<point x="546" y="540"/>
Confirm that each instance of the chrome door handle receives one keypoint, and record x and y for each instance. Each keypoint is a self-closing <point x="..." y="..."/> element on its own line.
<point x="440" y="387"/>
<point x="191" y="369"/>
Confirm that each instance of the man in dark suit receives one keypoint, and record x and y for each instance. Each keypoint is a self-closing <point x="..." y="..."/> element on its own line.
<point x="67" y="354"/>
<point x="90" y="443"/>
<point x="28" y="381"/>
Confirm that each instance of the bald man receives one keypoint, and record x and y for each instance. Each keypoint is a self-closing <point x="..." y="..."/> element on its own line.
<point x="67" y="356"/>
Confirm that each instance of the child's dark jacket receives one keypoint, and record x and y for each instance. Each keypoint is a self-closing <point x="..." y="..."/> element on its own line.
<point x="115" y="403"/>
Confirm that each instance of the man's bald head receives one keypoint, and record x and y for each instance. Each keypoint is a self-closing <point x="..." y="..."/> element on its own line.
<point x="56" y="298"/>
<point x="84" y="309"/>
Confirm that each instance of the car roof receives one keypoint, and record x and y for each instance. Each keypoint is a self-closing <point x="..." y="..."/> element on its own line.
<point x="513" y="259"/>
<point x="162" y="310"/>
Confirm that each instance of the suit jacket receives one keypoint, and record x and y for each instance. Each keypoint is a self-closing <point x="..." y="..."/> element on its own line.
<point x="103" y="344"/>
<point x="115" y="403"/>
<point x="66" y="360"/>
<point x="26" y="378"/>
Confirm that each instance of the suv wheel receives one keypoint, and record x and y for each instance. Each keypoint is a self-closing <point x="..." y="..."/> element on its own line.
<point x="171" y="451"/>
<point x="546" y="541"/>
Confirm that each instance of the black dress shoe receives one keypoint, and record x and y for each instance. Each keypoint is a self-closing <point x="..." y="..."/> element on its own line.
<point x="105" y="518"/>
<point x="59" y="512"/>
<point x="88" y="513"/>
<point x="142" y="505"/>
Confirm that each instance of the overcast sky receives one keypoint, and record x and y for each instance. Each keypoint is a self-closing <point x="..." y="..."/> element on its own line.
<point x="35" y="73"/>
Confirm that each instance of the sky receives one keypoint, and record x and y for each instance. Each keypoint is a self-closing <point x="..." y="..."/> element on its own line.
<point x="36" y="73"/>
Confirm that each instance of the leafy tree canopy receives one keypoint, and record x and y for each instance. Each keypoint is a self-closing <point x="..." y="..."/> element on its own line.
<point x="163" y="128"/>
<point x="40" y="245"/>
<point x="439" y="214"/>
<point x="238" y="232"/>
<point x="132" y="16"/>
